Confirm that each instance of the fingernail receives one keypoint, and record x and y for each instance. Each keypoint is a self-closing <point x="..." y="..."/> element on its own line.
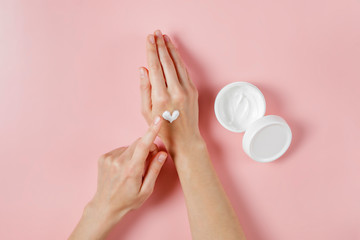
<point x="157" y="120"/>
<point x="167" y="39"/>
<point x="158" y="33"/>
<point x="142" y="73"/>
<point x="151" y="39"/>
<point x="162" y="157"/>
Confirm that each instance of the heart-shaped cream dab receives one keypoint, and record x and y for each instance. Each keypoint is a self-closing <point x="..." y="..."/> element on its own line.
<point x="171" y="117"/>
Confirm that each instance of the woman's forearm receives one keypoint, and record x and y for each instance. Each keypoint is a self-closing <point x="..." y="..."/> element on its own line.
<point x="211" y="215"/>
<point x="94" y="224"/>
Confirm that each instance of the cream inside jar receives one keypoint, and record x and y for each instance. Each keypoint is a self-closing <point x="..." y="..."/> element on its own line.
<point x="238" y="105"/>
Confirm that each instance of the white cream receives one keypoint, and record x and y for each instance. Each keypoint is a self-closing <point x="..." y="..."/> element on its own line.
<point x="238" y="105"/>
<point x="171" y="117"/>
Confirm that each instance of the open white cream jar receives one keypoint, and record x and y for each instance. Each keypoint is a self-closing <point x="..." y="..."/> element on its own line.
<point x="240" y="107"/>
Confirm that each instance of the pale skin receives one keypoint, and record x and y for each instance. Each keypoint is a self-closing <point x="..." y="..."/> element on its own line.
<point x="124" y="181"/>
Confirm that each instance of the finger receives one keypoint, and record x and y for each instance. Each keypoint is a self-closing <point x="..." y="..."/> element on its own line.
<point x="150" y="157"/>
<point x="131" y="148"/>
<point x="143" y="146"/>
<point x="153" y="151"/>
<point x="178" y="62"/>
<point x="167" y="64"/>
<point x="145" y="89"/>
<point x="153" y="172"/>
<point x="155" y="71"/>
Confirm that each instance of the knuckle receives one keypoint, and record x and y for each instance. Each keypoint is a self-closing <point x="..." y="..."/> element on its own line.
<point x="144" y="85"/>
<point x="141" y="144"/>
<point x="132" y="171"/>
<point x="167" y="61"/>
<point x="105" y="158"/>
<point x="179" y="96"/>
<point x="160" y="43"/>
<point x="155" y="67"/>
<point x="150" y="191"/>
<point x="156" y="170"/>
<point x="147" y="192"/>
<point x="146" y="144"/>
<point x="104" y="162"/>
<point x="153" y="131"/>
<point x="128" y="173"/>
<point x="151" y="47"/>
<point x="108" y="160"/>
<point x="116" y="165"/>
<point x="162" y="99"/>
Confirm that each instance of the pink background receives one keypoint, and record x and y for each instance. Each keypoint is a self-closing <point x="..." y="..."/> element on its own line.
<point x="69" y="91"/>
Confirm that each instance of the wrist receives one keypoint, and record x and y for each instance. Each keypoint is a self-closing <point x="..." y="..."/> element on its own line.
<point x="183" y="146"/>
<point x="192" y="161"/>
<point x="185" y="152"/>
<point x="100" y="219"/>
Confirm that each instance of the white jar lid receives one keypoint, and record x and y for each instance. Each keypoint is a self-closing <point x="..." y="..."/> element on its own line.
<point x="267" y="138"/>
<point x="239" y="107"/>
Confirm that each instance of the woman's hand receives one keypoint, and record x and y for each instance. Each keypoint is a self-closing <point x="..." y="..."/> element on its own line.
<point x="123" y="182"/>
<point x="167" y="86"/>
<point x="126" y="178"/>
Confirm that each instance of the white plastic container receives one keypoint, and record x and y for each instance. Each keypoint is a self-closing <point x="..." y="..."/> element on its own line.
<point x="240" y="107"/>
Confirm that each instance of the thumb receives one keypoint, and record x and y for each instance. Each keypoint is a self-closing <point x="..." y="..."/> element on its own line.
<point x="153" y="172"/>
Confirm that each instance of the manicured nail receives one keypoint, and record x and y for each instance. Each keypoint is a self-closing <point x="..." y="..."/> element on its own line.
<point x="157" y="120"/>
<point x="151" y="39"/>
<point x="167" y="39"/>
<point x="158" y="33"/>
<point x="142" y="73"/>
<point x="162" y="157"/>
